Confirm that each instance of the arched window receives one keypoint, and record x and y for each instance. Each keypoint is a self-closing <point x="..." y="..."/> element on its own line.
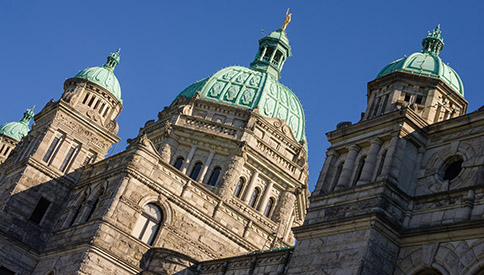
<point x="359" y="169"/>
<point x="239" y="187"/>
<point x="255" y="197"/>
<point x="269" y="207"/>
<point x="148" y="224"/>
<point x="214" y="177"/>
<point x="338" y="173"/>
<point x="196" y="170"/>
<point x="178" y="163"/>
<point x="380" y="165"/>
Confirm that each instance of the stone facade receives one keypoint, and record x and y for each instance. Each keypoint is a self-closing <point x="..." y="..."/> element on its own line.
<point x="211" y="187"/>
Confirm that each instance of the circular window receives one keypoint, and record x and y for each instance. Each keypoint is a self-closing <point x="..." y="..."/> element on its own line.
<point x="451" y="168"/>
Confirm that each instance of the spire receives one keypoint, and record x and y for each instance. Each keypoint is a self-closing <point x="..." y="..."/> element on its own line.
<point x="113" y="60"/>
<point x="434" y="42"/>
<point x="273" y="51"/>
<point x="28" y="115"/>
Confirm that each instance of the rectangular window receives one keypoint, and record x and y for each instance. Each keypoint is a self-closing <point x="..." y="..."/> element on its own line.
<point x="106" y="112"/>
<point x="90" y="158"/>
<point x="53" y="148"/>
<point x="85" y="99"/>
<point x="40" y="210"/>
<point x="407" y="97"/>
<point x="384" y="105"/>
<point x="419" y="99"/>
<point x="70" y="157"/>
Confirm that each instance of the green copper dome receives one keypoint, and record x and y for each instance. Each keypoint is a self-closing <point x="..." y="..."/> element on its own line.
<point x="18" y="129"/>
<point x="247" y="88"/>
<point x="104" y="76"/>
<point x="258" y="86"/>
<point x="427" y="63"/>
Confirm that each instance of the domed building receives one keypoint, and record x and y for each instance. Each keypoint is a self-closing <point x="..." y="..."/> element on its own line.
<point x="220" y="172"/>
<point x="217" y="182"/>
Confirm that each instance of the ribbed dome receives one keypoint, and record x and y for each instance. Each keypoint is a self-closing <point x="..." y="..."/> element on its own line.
<point x="427" y="63"/>
<point x="247" y="88"/>
<point x="18" y="129"/>
<point x="104" y="76"/>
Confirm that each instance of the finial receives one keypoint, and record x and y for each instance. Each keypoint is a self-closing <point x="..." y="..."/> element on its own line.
<point x="434" y="42"/>
<point x="28" y="115"/>
<point x="113" y="60"/>
<point x="287" y="19"/>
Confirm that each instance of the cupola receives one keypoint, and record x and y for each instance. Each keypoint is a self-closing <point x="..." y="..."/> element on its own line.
<point x="18" y="129"/>
<point x="104" y="76"/>
<point x="427" y="63"/>
<point x="273" y="51"/>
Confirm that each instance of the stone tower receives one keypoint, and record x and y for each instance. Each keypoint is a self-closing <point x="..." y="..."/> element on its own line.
<point x="38" y="177"/>
<point x="400" y="191"/>
<point x="11" y="133"/>
<point x="222" y="171"/>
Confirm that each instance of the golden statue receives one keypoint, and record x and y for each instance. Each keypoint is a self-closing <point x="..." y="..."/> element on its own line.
<point x="287" y="19"/>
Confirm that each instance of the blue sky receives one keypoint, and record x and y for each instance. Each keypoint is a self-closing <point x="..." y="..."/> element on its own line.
<point x="338" y="47"/>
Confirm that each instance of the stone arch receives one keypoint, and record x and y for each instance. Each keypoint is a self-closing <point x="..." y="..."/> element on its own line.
<point x="473" y="262"/>
<point x="161" y="202"/>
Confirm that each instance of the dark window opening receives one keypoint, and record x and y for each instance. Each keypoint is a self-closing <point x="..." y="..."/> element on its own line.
<point x="6" y="271"/>
<point x="359" y="170"/>
<point x="277" y="58"/>
<point x="91" y="101"/>
<point x="40" y="210"/>
<point x="268" y="54"/>
<point x="85" y="99"/>
<point x="239" y="187"/>
<point x="407" y="97"/>
<point x="178" y="163"/>
<point x="196" y="170"/>
<point x="255" y="197"/>
<point x="269" y="206"/>
<point x="214" y="177"/>
<point x="419" y="99"/>
<point x="453" y="170"/>
<point x="384" y="105"/>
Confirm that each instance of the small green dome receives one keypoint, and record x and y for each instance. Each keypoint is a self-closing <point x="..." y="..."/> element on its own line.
<point x="248" y="88"/>
<point x="18" y="129"/>
<point x="104" y="76"/>
<point x="427" y="63"/>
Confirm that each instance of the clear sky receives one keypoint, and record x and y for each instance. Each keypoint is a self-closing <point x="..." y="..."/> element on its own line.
<point x="338" y="47"/>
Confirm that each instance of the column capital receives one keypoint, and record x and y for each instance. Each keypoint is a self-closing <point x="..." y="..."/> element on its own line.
<point x="377" y="141"/>
<point x="332" y="152"/>
<point x="355" y="147"/>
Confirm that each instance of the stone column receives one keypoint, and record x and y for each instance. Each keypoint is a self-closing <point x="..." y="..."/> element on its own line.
<point x="284" y="209"/>
<point x="265" y="197"/>
<point x="369" y="167"/>
<point x="250" y="187"/>
<point x="345" y="177"/>
<point x="168" y="147"/>
<point x="188" y="159"/>
<point x="323" y="186"/>
<point x="205" y="166"/>
<point x="233" y="172"/>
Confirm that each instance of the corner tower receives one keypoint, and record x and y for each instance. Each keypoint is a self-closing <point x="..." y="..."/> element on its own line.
<point x="421" y="81"/>
<point x="402" y="181"/>
<point x="68" y="134"/>
<point x="12" y="133"/>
